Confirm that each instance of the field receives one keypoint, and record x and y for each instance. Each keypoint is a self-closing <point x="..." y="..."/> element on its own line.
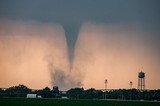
<point x="68" y="102"/>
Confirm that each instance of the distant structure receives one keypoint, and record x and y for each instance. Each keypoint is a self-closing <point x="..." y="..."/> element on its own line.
<point x="105" y="88"/>
<point x="31" y="95"/>
<point x="130" y="83"/>
<point x="105" y="83"/>
<point x="141" y="80"/>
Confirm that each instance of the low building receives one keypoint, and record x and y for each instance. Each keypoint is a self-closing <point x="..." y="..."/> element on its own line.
<point x="39" y="96"/>
<point x="64" y="97"/>
<point x="31" y="95"/>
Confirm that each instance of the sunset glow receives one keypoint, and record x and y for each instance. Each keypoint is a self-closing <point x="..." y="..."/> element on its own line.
<point x="79" y="43"/>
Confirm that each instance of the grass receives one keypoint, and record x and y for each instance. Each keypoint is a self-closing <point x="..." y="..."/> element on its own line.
<point x="68" y="102"/>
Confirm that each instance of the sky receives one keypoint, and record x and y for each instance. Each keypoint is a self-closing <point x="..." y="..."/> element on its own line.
<point x="73" y="43"/>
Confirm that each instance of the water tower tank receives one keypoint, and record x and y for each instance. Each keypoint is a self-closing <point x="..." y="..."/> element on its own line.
<point x="141" y="74"/>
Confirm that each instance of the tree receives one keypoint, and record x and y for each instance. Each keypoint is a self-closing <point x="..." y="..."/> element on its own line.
<point x="17" y="91"/>
<point x="45" y="93"/>
<point x="55" y="92"/>
<point x="75" y="93"/>
<point x="2" y="92"/>
<point x="93" y="94"/>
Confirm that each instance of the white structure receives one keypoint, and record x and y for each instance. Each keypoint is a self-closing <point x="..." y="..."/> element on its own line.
<point x="39" y="96"/>
<point x="64" y="97"/>
<point x="31" y="95"/>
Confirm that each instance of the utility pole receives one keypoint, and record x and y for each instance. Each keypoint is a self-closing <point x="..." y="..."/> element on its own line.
<point x="130" y="83"/>
<point x="105" y="86"/>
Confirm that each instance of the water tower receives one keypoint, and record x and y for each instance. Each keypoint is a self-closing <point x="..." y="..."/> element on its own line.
<point x="141" y="80"/>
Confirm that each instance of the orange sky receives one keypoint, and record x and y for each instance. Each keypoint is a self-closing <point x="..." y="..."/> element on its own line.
<point x="112" y="52"/>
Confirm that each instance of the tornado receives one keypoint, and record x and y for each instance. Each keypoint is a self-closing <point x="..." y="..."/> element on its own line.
<point x="71" y="33"/>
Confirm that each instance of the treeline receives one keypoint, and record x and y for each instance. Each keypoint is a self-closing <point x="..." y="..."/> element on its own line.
<point x="122" y="94"/>
<point x="22" y="91"/>
<point x="80" y="93"/>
